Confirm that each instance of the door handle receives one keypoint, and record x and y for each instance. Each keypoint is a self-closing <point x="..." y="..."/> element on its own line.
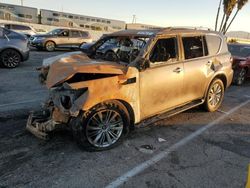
<point x="177" y="70"/>
<point x="209" y="63"/>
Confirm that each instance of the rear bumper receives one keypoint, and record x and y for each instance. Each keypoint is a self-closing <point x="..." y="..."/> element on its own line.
<point x="230" y="78"/>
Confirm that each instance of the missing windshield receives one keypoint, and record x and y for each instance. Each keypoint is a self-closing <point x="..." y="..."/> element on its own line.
<point x="123" y="49"/>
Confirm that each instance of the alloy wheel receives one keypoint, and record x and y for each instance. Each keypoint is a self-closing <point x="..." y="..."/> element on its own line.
<point x="215" y="95"/>
<point x="241" y="77"/>
<point x="104" y="128"/>
<point x="10" y="59"/>
<point x="50" y="46"/>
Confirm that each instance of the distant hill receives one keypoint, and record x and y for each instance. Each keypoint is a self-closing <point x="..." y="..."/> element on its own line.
<point x="238" y="34"/>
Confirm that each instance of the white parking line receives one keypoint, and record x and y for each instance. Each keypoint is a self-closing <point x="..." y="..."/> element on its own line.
<point x="143" y="166"/>
<point x="17" y="103"/>
<point x="221" y="111"/>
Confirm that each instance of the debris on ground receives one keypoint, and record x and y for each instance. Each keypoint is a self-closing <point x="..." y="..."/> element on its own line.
<point x="148" y="149"/>
<point x="161" y="140"/>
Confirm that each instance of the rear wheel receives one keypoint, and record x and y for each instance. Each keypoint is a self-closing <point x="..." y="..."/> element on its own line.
<point x="50" y="46"/>
<point x="10" y="58"/>
<point x="240" y="76"/>
<point x="103" y="127"/>
<point x="214" y="96"/>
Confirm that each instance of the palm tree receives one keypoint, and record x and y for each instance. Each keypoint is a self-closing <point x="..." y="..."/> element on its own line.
<point x="228" y="9"/>
<point x="240" y="5"/>
<point x="217" y="17"/>
<point x="225" y="4"/>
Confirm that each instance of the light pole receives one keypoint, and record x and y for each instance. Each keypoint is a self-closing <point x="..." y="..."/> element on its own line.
<point x="21" y="2"/>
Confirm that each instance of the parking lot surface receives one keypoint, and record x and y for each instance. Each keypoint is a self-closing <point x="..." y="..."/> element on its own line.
<point x="192" y="149"/>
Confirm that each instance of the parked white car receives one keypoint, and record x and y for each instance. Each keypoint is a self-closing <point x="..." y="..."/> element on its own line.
<point x="23" y="29"/>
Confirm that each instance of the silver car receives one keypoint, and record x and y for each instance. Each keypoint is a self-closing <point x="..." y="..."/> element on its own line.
<point x="65" y="38"/>
<point x="13" y="48"/>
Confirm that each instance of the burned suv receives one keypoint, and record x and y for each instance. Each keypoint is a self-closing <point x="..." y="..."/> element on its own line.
<point x="154" y="74"/>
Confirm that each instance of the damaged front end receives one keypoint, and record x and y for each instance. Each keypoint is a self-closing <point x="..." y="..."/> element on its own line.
<point x="63" y="104"/>
<point x="69" y="80"/>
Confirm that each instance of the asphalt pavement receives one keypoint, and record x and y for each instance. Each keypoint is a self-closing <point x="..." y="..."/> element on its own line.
<point x="191" y="149"/>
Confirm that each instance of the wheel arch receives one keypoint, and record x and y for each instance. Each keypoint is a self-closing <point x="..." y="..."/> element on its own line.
<point x="130" y="111"/>
<point x="123" y="103"/>
<point x="109" y="50"/>
<point x="49" y="41"/>
<point x="11" y="48"/>
<point x="222" y="77"/>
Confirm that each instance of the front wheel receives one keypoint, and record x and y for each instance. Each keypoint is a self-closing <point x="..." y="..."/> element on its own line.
<point x="103" y="127"/>
<point x="50" y="46"/>
<point x="215" y="95"/>
<point x="10" y="58"/>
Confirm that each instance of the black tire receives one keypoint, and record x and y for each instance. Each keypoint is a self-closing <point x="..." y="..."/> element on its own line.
<point x="50" y="46"/>
<point x="10" y="58"/>
<point x="111" y="56"/>
<point x="214" y="97"/>
<point x="84" y="133"/>
<point x="240" y="76"/>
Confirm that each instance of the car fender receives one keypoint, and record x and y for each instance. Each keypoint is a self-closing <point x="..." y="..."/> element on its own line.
<point x="221" y="75"/>
<point x="117" y="87"/>
<point x="19" y="50"/>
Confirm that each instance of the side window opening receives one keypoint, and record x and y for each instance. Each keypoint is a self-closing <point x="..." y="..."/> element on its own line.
<point x="213" y="43"/>
<point x="164" y="50"/>
<point x="194" y="47"/>
<point x="75" y="34"/>
<point x="64" y="33"/>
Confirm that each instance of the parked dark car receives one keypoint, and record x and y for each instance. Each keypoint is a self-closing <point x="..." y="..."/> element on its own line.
<point x="66" y="38"/>
<point x="241" y="62"/>
<point x="13" y="48"/>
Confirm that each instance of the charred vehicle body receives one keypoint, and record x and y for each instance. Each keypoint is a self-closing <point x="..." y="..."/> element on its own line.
<point x="152" y="75"/>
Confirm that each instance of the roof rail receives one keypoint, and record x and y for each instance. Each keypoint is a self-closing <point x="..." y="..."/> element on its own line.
<point x="188" y="27"/>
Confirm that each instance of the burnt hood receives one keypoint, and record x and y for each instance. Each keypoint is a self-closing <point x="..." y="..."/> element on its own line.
<point x="65" y="68"/>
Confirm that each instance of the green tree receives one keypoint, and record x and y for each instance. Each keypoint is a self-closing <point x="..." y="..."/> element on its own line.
<point x="240" y="5"/>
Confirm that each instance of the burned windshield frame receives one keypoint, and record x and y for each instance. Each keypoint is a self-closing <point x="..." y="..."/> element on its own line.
<point x="122" y="49"/>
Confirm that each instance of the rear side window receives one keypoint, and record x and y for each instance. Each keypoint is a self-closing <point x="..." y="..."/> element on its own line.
<point x="75" y="33"/>
<point x="213" y="44"/>
<point x="12" y="35"/>
<point x="194" y="47"/>
<point x="7" y="26"/>
<point x="84" y="34"/>
<point x="20" y="27"/>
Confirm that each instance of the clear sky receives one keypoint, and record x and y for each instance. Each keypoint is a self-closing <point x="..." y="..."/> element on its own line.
<point x="156" y="12"/>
